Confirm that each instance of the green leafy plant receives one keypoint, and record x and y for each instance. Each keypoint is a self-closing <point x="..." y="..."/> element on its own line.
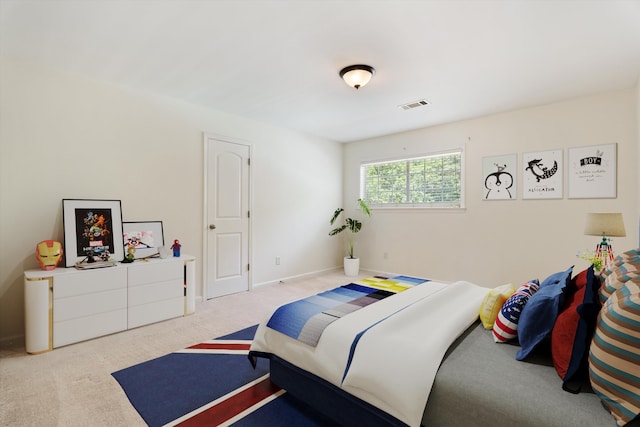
<point x="351" y="224"/>
<point x="593" y="258"/>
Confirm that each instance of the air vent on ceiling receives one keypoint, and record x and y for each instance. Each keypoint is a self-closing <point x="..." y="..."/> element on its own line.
<point x="414" y="104"/>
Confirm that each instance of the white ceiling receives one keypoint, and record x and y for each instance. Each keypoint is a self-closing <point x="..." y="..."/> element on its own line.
<point x="278" y="61"/>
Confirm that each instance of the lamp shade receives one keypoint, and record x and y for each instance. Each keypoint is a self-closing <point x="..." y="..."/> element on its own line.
<point x="357" y="75"/>
<point x="605" y="224"/>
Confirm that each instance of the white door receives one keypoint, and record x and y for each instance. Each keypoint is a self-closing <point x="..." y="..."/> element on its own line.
<point x="227" y="216"/>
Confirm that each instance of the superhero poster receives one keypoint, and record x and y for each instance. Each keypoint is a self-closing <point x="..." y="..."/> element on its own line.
<point x="94" y="231"/>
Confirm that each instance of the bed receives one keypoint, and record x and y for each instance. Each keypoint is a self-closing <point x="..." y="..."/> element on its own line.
<point x="415" y="356"/>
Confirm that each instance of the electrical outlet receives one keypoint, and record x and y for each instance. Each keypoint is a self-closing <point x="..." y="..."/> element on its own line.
<point x="277" y="260"/>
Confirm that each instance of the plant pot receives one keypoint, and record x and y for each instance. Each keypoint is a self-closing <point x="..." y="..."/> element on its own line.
<point x="351" y="266"/>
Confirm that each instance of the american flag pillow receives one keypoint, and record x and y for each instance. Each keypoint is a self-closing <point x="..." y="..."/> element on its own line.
<point x="506" y="326"/>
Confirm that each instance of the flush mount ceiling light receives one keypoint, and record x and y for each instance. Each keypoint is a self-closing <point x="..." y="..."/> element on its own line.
<point x="357" y="75"/>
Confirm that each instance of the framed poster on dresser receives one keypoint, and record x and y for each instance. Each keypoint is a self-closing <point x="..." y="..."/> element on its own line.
<point x="92" y="229"/>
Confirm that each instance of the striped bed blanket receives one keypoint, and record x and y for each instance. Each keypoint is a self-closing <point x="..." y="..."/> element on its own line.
<point x="386" y="353"/>
<point x="306" y="319"/>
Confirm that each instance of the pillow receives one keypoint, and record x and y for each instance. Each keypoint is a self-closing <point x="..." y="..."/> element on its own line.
<point x="633" y="253"/>
<point x="614" y="355"/>
<point x="492" y="304"/>
<point x="618" y="276"/>
<point x="539" y="315"/>
<point x="505" y="327"/>
<point x="573" y="330"/>
<point x="619" y="260"/>
<point x="562" y="278"/>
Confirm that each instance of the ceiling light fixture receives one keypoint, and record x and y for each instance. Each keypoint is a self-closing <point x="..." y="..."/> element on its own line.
<point x="357" y="75"/>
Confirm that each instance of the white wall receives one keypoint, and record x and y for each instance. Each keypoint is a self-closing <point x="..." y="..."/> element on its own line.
<point x="494" y="242"/>
<point x="638" y="139"/>
<point x="64" y="136"/>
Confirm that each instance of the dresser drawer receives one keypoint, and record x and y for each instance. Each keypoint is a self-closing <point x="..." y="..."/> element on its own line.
<point x="145" y="294"/>
<point x="89" y="304"/>
<point x="80" y="329"/>
<point x="154" y="272"/>
<point x="155" y="312"/>
<point x="84" y="282"/>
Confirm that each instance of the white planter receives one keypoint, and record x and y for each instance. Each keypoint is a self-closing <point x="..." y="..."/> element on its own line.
<point x="351" y="266"/>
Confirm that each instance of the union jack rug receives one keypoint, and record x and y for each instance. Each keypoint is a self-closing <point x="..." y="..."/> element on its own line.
<point x="212" y="384"/>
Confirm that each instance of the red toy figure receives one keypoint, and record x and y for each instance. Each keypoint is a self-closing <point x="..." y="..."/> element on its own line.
<point x="176" y="248"/>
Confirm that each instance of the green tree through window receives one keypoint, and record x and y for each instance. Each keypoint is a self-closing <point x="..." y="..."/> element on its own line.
<point x="428" y="181"/>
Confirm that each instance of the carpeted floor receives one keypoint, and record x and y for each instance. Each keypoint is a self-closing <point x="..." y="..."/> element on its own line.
<point x="73" y="386"/>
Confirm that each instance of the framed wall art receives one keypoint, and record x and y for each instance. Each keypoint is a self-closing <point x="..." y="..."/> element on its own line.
<point x="92" y="229"/>
<point x="499" y="177"/>
<point x="147" y="237"/>
<point x="593" y="172"/>
<point x="542" y="176"/>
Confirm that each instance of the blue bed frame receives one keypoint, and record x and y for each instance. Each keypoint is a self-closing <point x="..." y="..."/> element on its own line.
<point x="334" y="403"/>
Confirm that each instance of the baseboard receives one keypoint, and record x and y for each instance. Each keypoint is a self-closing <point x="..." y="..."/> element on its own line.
<point x="296" y="277"/>
<point x="10" y="341"/>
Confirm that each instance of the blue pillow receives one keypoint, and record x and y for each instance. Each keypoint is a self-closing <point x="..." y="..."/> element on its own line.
<point x="561" y="277"/>
<point x="540" y="313"/>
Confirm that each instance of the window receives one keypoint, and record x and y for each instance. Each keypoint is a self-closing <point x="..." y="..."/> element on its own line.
<point x="433" y="181"/>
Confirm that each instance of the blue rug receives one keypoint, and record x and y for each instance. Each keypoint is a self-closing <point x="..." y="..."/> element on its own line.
<point x="212" y="383"/>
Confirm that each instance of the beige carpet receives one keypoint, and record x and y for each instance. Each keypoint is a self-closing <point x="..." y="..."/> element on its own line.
<point x="73" y="386"/>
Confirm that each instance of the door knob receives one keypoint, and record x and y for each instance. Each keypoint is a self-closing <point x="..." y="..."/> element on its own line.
<point x="212" y="227"/>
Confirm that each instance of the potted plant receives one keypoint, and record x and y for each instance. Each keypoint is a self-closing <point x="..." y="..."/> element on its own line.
<point x="351" y="263"/>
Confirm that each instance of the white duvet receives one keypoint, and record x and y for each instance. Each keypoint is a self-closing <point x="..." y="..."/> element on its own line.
<point x="397" y="357"/>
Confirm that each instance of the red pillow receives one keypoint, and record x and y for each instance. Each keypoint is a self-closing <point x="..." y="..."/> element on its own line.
<point x="563" y="333"/>
<point x="573" y="330"/>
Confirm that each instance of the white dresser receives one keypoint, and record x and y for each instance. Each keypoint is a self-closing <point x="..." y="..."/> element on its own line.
<point x="66" y="305"/>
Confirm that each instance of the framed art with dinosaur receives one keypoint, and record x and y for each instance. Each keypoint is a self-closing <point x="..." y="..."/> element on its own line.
<point x="542" y="173"/>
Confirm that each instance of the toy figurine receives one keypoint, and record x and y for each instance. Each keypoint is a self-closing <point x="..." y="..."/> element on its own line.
<point x="131" y="254"/>
<point x="49" y="253"/>
<point x="176" y="248"/>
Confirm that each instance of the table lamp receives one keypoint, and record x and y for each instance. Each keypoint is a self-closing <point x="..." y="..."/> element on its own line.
<point x="607" y="225"/>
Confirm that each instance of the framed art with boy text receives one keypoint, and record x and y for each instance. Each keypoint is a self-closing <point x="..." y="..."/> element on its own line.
<point x="593" y="172"/>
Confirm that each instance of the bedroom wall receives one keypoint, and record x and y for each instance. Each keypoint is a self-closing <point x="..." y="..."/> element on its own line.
<point x="638" y="139"/>
<point x="495" y="242"/>
<point x="65" y="136"/>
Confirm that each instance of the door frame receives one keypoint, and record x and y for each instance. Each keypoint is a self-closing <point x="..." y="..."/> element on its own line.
<point x="205" y="209"/>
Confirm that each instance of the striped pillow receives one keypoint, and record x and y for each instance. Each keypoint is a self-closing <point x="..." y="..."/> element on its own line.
<point x="620" y="259"/>
<point x="505" y="327"/>
<point x="619" y="277"/>
<point x="614" y="355"/>
<point x="626" y="262"/>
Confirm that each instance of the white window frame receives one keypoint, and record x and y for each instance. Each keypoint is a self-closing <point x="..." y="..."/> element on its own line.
<point x="414" y="206"/>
